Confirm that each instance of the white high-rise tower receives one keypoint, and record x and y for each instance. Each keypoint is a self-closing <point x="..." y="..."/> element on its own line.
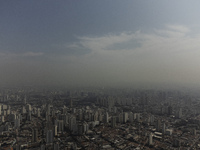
<point x="150" y="139"/>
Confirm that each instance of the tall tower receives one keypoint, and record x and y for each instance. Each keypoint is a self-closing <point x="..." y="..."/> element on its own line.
<point x="138" y="117"/>
<point x="150" y="139"/>
<point x="106" y="117"/>
<point x="49" y="136"/>
<point x="125" y="117"/>
<point x="152" y="119"/>
<point x="48" y="111"/>
<point x="164" y="128"/>
<point x="24" y="100"/>
<point x="180" y="113"/>
<point x="17" y="122"/>
<point x="0" y="109"/>
<point x="73" y="124"/>
<point x="55" y="130"/>
<point x="170" y="110"/>
<point x="60" y="126"/>
<point x="56" y="146"/>
<point x="71" y="103"/>
<point x="113" y="121"/>
<point x="38" y="112"/>
<point x="130" y="116"/>
<point x="158" y="125"/>
<point x="34" y="135"/>
<point x="2" y="118"/>
<point x="29" y="116"/>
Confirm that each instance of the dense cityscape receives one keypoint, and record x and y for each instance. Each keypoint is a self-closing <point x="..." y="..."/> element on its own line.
<point x="99" y="75"/>
<point x="98" y="118"/>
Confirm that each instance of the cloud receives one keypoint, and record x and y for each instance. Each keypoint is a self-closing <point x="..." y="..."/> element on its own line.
<point x="178" y="28"/>
<point x="12" y="55"/>
<point x="31" y="54"/>
<point x="159" y="40"/>
<point x="103" y="42"/>
<point x="169" y="40"/>
<point x="164" y="55"/>
<point x="168" y="55"/>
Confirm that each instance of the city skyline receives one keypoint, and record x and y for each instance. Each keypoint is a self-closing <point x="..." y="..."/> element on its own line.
<point x="100" y="43"/>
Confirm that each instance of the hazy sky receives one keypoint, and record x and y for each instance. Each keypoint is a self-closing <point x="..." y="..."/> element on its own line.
<point x="99" y="42"/>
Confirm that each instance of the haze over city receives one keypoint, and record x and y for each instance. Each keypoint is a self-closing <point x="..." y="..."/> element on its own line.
<point x="99" y="43"/>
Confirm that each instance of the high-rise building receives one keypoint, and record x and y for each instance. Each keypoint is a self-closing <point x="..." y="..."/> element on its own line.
<point x="66" y="119"/>
<point x="163" y="129"/>
<point x="152" y="120"/>
<point x="23" y="110"/>
<point x="55" y="130"/>
<point x="12" y="117"/>
<point x="42" y="147"/>
<point x="134" y="116"/>
<point x="170" y="110"/>
<point x="60" y="126"/>
<point x="113" y="121"/>
<point x="17" y="122"/>
<point x="8" y="111"/>
<point x="49" y="136"/>
<point x="158" y="125"/>
<point x="95" y="116"/>
<point x="138" y="117"/>
<point x="130" y="116"/>
<point x="168" y="131"/>
<point x="120" y="118"/>
<point x="72" y="124"/>
<point x="34" y="135"/>
<point x="18" y="147"/>
<point x="80" y="129"/>
<point x="194" y="132"/>
<point x="48" y="110"/>
<point x="29" y="116"/>
<point x="28" y="107"/>
<point x="2" y="118"/>
<point x="150" y="139"/>
<point x="24" y="100"/>
<point x="106" y="117"/>
<point x="56" y="146"/>
<point x="179" y="113"/>
<point x="85" y="127"/>
<point x="115" y="109"/>
<point x="125" y="117"/>
<point x="162" y="110"/>
<point x="71" y="103"/>
<point x="80" y="114"/>
<point x="38" y="112"/>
